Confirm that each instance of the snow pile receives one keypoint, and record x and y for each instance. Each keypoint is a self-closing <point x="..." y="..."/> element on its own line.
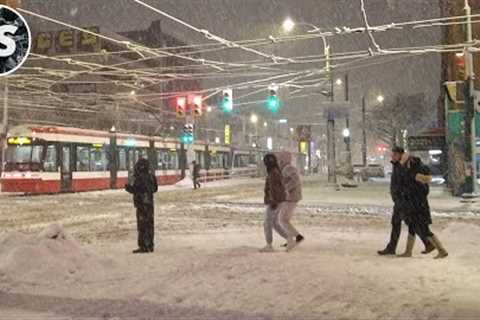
<point x="186" y="182"/>
<point x="51" y="255"/>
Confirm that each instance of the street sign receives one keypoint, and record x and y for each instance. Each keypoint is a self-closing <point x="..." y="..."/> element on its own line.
<point x="425" y="143"/>
<point x="227" y="134"/>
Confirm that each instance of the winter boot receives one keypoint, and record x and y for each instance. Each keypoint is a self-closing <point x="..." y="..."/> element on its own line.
<point x="388" y="251"/>
<point x="267" y="248"/>
<point x="409" y="248"/>
<point x="291" y="244"/>
<point x="442" y="253"/>
<point x="299" y="239"/>
<point x="429" y="247"/>
<point x="140" y="250"/>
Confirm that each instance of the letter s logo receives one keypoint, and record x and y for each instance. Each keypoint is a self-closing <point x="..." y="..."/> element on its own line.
<point x="7" y="44"/>
<point x="15" y="40"/>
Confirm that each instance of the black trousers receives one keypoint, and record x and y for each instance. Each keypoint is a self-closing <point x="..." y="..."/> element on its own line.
<point x="196" y="182"/>
<point x="419" y="227"/>
<point x="413" y="228"/>
<point x="145" y="226"/>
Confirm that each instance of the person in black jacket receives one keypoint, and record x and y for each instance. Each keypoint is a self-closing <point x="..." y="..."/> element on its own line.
<point x="397" y="191"/>
<point x="143" y="187"/>
<point x="196" y="175"/>
<point x="415" y="205"/>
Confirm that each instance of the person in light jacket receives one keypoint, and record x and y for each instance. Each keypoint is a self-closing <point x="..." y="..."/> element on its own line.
<point x="293" y="188"/>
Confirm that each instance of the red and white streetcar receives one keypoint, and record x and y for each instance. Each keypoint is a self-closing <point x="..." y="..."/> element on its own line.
<point x="52" y="159"/>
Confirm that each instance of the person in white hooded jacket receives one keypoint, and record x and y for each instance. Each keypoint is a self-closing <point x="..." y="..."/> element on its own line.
<point x="293" y="188"/>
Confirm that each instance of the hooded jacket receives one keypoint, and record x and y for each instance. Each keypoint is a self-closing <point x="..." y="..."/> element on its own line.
<point x="144" y="185"/>
<point x="290" y="178"/>
<point x="274" y="189"/>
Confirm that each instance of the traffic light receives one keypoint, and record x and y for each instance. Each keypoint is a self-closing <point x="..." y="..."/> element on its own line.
<point x="197" y="105"/>
<point x="187" y="134"/>
<point x="227" y="101"/>
<point x="181" y="106"/>
<point x="273" y="103"/>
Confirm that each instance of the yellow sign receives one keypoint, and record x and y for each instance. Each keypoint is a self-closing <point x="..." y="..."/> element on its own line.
<point x="65" y="38"/>
<point x="19" y="140"/>
<point x="303" y="147"/>
<point x="97" y="145"/>
<point x="227" y="134"/>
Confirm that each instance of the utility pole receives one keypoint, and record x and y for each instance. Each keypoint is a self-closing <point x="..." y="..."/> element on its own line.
<point x="347" y="125"/>
<point x="470" y="134"/>
<point x="4" y="125"/>
<point x="332" y="178"/>
<point x="364" y="134"/>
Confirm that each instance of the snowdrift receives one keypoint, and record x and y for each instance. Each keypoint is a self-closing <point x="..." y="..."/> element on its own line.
<point x="186" y="182"/>
<point x="50" y="256"/>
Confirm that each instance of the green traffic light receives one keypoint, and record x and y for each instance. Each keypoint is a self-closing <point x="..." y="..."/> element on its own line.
<point x="227" y="105"/>
<point x="186" y="138"/>
<point x="273" y="103"/>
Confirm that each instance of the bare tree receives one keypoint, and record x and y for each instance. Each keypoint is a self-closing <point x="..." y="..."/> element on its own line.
<point x="388" y="120"/>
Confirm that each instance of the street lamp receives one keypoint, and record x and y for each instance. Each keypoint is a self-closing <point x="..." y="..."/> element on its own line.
<point x="346" y="133"/>
<point x="254" y="118"/>
<point x="265" y="124"/>
<point x="380" y="98"/>
<point x="288" y="25"/>
<point x="209" y="109"/>
<point x="339" y="82"/>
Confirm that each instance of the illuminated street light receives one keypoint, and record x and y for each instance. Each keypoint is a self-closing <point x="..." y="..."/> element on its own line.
<point x="209" y="109"/>
<point x="292" y="130"/>
<point x="265" y="124"/>
<point x="288" y="25"/>
<point x="380" y="98"/>
<point x="254" y="118"/>
<point x="346" y="133"/>
<point x="339" y="82"/>
<point x="132" y="93"/>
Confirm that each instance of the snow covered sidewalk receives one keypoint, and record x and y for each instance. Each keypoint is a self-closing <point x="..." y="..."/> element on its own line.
<point x="221" y="275"/>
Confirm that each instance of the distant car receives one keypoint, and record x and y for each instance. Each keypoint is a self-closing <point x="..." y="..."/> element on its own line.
<point x="370" y="171"/>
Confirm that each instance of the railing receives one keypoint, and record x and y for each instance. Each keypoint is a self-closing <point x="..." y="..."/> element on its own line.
<point x="229" y="174"/>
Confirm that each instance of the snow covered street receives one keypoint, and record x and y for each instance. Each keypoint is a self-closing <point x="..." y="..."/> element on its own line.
<point x="207" y="265"/>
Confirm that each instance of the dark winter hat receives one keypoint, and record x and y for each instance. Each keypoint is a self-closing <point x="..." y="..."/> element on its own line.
<point x="398" y="149"/>
<point x="142" y="165"/>
<point x="270" y="160"/>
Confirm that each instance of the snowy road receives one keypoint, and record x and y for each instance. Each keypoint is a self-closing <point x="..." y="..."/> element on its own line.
<point x="207" y="265"/>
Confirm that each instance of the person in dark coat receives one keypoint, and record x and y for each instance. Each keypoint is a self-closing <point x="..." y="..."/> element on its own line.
<point x="414" y="204"/>
<point x="196" y="175"/>
<point x="143" y="187"/>
<point x="274" y="195"/>
<point x="397" y="191"/>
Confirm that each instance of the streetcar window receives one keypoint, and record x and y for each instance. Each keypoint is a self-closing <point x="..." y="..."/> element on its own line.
<point x="241" y="160"/>
<point x="37" y="154"/>
<point x="122" y="159"/>
<point x="199" y="158"/>
<point x="167" y="160"/>
<point x="172" y="160"/>
<point x="50" y="163"/>
<point x="83" y="158"/>
<point x="98" y="160"/>
<point x="19" y="154"/>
